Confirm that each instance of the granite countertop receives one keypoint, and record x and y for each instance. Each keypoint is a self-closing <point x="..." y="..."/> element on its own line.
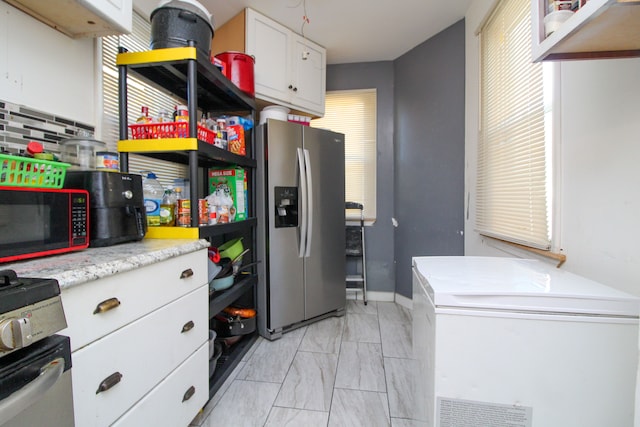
<point x="74" y="268"/>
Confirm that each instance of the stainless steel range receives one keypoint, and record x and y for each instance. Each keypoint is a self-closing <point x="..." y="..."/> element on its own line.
<point x="35" y="364"/>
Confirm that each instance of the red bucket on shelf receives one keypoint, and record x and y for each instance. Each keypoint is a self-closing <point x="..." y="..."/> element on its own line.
<point x="239" y="69"/>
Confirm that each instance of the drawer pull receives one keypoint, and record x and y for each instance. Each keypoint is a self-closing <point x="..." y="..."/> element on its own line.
<point x="188" y="326"/>
<point x="187" y="273"/>
<point x="109" y="382"/>
<point x="106" y="305"/>
<point x="189" y="393"/>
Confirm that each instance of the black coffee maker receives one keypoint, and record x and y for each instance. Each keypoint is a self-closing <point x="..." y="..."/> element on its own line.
<point x="116" y="205"/>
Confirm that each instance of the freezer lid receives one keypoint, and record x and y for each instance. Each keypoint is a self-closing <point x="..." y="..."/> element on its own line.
<point x="518" y="285"/>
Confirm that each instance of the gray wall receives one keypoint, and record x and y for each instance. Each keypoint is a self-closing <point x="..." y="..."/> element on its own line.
<point x="429" y="151"/>
<point x="378" y="237"/>
<point x="420" y="169"/>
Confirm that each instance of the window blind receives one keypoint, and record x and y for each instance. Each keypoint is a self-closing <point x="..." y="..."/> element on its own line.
<point x="513" y="165"/>
<point x="139" y="94"/>
<point x="353" y="113"/>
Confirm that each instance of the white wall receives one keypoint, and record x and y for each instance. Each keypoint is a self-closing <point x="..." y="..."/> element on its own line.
<point x="599" y="162"/>
<point x="600" y="170"/>
<point x="43" y="69"/>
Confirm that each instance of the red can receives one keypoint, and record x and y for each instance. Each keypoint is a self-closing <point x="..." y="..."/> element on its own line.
<point x="203" y="212"/>
<point x="183" y="213"/>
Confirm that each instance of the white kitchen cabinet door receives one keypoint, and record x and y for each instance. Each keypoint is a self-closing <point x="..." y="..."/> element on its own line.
<point x="176" y="400"/>
<point x="117" y="12"/>
<point x="113" y="373"/>
<point x="269" y="43"/>
<point x="81" y="18"/>
<point x="309" y="75"/>
<point x="289" y="69"/>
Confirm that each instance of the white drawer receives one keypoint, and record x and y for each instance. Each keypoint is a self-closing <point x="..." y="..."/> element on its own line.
<point x="141" y="353"/>
<point x="138" y="292"/>
<point x="165" y="405"/>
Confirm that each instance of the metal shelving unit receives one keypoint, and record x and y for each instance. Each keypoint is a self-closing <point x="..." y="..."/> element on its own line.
<point x="202" y="86"/>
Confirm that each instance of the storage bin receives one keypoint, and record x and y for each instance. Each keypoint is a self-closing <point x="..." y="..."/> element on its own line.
<point x="169" y="130"/>
<point x="16" y="171"/>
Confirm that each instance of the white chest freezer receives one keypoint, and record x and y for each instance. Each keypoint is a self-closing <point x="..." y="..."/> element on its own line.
<point x="507" y="342"/>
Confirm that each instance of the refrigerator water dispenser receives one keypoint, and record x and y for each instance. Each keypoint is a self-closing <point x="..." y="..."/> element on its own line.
<point x="286" y="204"/>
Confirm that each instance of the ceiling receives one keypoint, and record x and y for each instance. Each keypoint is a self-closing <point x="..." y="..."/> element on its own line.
<point x="350" y="30"/>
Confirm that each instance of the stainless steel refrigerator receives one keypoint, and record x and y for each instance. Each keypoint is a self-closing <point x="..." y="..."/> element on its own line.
<point x="301" y="226"/>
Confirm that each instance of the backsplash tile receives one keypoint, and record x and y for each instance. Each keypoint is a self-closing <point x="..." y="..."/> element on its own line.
<point x="20" y="124"/>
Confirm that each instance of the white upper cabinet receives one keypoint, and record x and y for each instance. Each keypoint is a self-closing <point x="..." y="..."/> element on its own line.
<point x="599" y="29"/>
<point x="81" y="18"/>
<point x="290" y="70"/>
<point x="308" y="75"/>
<point x="270" y="44"/>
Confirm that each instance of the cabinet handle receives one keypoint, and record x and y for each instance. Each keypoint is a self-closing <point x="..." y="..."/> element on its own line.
<point x="188" y="326"/>
<point x="187" y="273"/>
<point x="106" y="305"/>
<point x="290" y="86"/>
<point x="109" y="382"/>
<point x="189" y="393"/>
<point x="295" y="89"/>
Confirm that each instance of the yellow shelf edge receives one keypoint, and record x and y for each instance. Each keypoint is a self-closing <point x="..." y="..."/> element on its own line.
<point x="156" y="55"/>
<point x="172" y="233"/>
<point x="157" y="145"/>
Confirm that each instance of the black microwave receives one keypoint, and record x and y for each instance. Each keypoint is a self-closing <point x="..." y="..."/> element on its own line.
<point x="37" y="222"/>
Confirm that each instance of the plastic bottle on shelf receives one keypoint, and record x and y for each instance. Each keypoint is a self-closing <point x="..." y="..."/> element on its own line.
<point x="168" y="209"/>
<point x="153" y="193"/>
<point x="164" y="116"/>
<point x="210" y="122"/>
<point x="183" y="208"/>
<point x="177" y="193"/>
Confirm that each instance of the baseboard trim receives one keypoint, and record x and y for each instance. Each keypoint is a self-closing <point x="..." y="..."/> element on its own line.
<point x="371" y="295"/>
<point x="382" y="297"/>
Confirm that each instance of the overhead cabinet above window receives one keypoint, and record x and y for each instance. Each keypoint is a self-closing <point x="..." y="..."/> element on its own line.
<point x="290" y="70"/>
<point x="597" y="29"/>
<point x="81" y="18"/>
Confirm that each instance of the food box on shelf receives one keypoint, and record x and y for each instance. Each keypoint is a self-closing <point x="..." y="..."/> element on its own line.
<point x="235" y="140"/>
<point x="227" y="192"/>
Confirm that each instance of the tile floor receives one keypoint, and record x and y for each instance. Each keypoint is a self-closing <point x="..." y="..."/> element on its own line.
<point x="347" y="371"/>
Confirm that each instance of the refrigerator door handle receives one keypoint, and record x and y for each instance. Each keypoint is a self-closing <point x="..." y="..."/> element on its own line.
<point x="303" y="202"/>
<point x="307" y="161"/>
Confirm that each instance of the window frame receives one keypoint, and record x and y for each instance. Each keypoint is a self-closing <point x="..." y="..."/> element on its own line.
<point x="369" y="177"/>
<point x="551" y="116"/>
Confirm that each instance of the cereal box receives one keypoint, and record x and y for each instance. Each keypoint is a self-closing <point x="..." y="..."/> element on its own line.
<point x="226" y="190"/>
